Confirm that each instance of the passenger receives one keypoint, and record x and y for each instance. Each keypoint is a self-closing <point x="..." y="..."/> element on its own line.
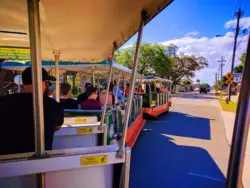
<point x="162" y="89"/>
<point x="153" y="87"/>
<point x="117" y="92"/>
<point x="158" y="87"/>
<point x="84" y="96"/>
<point x="140" y="89"/>
<point x="111" y="98"/>
<point x="17" y="122"/>
<point x="148" y="88"/>
<point x="65" y="100"/>
<point x="92" y="103"/>
<point x="50" y="86"/>
<point x="127" y="89"/>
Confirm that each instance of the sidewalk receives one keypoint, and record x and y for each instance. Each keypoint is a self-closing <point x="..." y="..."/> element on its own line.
<point x="229" y="118"/>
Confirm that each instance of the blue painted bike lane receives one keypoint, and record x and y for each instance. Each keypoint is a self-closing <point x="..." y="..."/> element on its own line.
<point x="157" y="161"/>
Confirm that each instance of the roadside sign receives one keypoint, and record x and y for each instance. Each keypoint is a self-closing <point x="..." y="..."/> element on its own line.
<point x="229" y="76"/>
<point x="229" y="81"/>
<point x="237" y="77"/>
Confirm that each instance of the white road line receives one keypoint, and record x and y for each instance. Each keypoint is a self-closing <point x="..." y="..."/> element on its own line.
<point x="205" y="176"/>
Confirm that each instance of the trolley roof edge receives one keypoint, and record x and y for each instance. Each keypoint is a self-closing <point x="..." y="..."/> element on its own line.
<point x="80" y="41"/>
<point x="154" y="78"/>
<point x="84" y="67"/>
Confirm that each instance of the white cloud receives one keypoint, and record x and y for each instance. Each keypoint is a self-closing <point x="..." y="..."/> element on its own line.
<point x="192" y="34"/>
<point x="127" y="46"/>
<point x="212" y="49"/>
<point x="244" y="23"/>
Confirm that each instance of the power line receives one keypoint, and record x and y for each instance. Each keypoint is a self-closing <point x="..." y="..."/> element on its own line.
<point x="221" y="65"/>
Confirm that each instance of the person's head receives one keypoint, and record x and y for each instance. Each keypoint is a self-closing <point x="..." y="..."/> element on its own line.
<point x="50" y="86"/>
<point x="27" y="80"/>
<point x="66" y="90"/>
<point x="92" y="92"/>
<point x="128" y="84"/>
<point x="87" y="85"/>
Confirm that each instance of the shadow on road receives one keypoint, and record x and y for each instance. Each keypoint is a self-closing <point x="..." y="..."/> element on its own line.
<point x="179" y="124"/>
<point x="158" y="162"/>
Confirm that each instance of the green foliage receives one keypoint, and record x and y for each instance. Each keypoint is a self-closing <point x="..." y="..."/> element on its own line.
<point x="230" y="107"/>
<point x="161" y="61"/>
<point x="75" y="90"/>
<point x="186" y="82"/>
<point x="239" y="68"/>
<point x="243" y="58"/>
<point x="218" y="85"/>
<point x="152" y="60"/>
<point x="185" y="67"/>
<point x="204" y="85"/>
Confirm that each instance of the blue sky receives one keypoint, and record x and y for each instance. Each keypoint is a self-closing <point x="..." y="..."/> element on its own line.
<point x="193" y="24"/>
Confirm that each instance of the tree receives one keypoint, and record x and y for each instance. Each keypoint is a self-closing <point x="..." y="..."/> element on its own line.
<point x="185" y="67"/>
<point x="239" y="68"/>
<point x="171" y="49"/>
<point x="152" y="60"/>
<point x="205" y="85"/>
<point x="156" y="60"/>
<point x="218" y="86"/>
<point x="186" y="83"/>
<point x="163" y="62"/>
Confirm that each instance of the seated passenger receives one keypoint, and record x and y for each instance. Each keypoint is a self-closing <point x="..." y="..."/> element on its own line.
<point x="92" y="103"/>
<point x="153" y="87"/>
<point x="158" y="87"/>
<point x="162" y="89"/>
<point x="140" y="89"/>
<point x="148" y="87"/>
<point x="65" y="100"/>
<point x="117" y="92"/>
<point x="127" y="89"/>
<point x="84" y="96"/>
<point x="111" y="98"/>
<point x="17" y="122"/>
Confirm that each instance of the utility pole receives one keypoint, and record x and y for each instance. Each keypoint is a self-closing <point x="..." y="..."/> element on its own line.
<point x="221" y="66"/>
<point x="216" y="77"/>
<point x="239" y="14"/>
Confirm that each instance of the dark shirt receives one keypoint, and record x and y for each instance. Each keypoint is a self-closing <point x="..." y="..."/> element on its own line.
<point x="82" y="97"/>
<point x="69" y="103"/>
<point x="148" y="89"/>
<point x="91" y="104"/>
<point x="17" y="126"/>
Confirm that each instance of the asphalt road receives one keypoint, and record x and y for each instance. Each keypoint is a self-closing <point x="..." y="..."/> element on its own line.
<point x="185" y="147"/>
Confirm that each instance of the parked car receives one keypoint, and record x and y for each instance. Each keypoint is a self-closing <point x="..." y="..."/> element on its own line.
<point x="203" y="90"/>
<point x="196" y="89"/>
<point x="182" y="90"/>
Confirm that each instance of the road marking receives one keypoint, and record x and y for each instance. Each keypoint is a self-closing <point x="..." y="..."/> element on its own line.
<point x="205" y="176"/>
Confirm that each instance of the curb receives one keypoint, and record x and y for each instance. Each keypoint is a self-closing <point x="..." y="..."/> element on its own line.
<point x="225" y="129"/>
